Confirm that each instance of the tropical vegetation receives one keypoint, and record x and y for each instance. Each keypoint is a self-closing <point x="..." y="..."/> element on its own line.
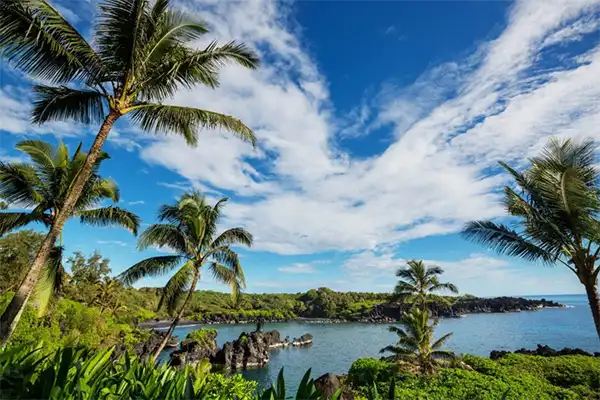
<point x="189" y="229"/>
<point x="41" y="186"/>
<point x="416" y="346"/>
<point x="139" y="56"/>
<point x="554" y="205"/>
<point x="418" y="283"/>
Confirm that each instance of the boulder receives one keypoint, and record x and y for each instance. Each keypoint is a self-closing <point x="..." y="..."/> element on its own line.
<point x="303" y="340"/>
<point x="248" y="351"/>
<point x="198" y="345"/>
<point x="327" y="385"/>
<point x="544" y="351"/>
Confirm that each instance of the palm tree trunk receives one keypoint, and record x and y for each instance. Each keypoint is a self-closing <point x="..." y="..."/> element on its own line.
<point x="591" y="288"/>
<point x="12" y="314"/>
<point x="164" y="342"/>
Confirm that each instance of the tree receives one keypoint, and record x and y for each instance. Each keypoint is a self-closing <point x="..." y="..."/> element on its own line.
<point x="106" y="293"/>
<point x="189" y="228"/>
<point x="415" y="342"/>
<point x="17" y="251"/>
<point x="42" y="186"/>
<point x="555" y="207"/>
<point x="90" y="271"/>
<point x="139" y="59"/>
<point x="418" y="282"/>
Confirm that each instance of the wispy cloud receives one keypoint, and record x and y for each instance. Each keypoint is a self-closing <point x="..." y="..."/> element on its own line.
<point x="112" y="243"/>
<point x="298" y="268"/>
<point x="137" y="202"/>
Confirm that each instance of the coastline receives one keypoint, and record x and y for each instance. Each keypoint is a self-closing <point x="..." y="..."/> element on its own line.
<point x="164" y="324"/>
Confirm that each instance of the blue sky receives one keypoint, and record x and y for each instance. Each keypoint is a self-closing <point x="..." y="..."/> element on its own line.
<point x="379" y="125"/>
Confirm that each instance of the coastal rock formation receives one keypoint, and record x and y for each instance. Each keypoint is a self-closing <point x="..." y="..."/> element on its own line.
<point x="390" y="312"/>
<point x="328" y="384"/>
<point x="249" y="350"/>
<point x="147" y="347"/>
<point x="304" y="340"/>
<point x="544" y="351"/>
<point x="198" y="345"/>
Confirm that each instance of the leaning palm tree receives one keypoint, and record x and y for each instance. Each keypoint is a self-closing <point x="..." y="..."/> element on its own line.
<point x="555" y="206"/>
<point x="415" y="342"/>
<point x="138" y="58"/>
<point x="189" y="228"/>
<point x="419" y="282"/>
<point x="40" y="187"/>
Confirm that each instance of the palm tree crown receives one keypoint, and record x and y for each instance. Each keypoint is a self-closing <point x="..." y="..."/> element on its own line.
<point x="415" y="341"/>
<point x="141" y="56"/>
<point x="41" y="185"/>
<point x="418" y="282"/>
<point x="189" y="228"/>
<point x="555" y="206"/>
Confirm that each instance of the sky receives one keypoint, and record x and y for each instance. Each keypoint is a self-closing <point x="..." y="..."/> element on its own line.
<point x="379" y="126"/>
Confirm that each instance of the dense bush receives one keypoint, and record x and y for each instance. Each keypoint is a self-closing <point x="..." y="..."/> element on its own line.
<point x="366" y="371"/>
<point x="78" y="373"/>
<point x="511" y="377"/>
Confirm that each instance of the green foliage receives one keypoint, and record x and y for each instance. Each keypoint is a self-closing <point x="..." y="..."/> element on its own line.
<point x="366" y="371"/>
<point x="205" y="337"/>
<point x="77" y="373"/>
<point x="418" y="283"/>
<point x="306" y="390"/>
<point x="17" y="251"/>
<point x="510" y="377"/>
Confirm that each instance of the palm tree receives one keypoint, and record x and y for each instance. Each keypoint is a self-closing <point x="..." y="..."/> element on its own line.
<point x="415" y="342"/>
<point x="105" y="293"/>
<point x="189" y="228"/>
<point x="418" y="282"/>
<point x="555" y="208"/>
<point x="139" y="58"/>
<point x="41" y="187"/>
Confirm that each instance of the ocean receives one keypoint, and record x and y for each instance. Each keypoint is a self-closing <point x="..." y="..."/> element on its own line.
<point x="336" y="346"/>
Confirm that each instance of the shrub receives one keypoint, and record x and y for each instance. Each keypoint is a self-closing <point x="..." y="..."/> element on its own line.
<point x="366" y="371"/>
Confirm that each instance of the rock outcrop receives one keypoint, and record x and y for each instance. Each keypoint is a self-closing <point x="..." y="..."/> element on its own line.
<point x="248" y="351"/>
<point x="544" y="351"/>
<point x="328" y="384"/>
<point x="198" y="345"/>
<point x="146" y="348"/>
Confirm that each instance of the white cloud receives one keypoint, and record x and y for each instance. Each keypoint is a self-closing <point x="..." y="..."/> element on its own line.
<point x="298" y="193"/>
<point x="137" y="202"/>
<point x="112" y="243"/>
<point x="298" y="268"/>
<point x="15" y="106"/>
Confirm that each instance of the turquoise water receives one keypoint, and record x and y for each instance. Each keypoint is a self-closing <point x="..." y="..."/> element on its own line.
<point x="336" y="346"/>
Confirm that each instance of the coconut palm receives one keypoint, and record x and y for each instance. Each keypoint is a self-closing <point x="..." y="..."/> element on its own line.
<point x="418" y="283"/>
<point x="105" y="293"/>
<point x="555" y="205"/>
<point x="415" y="342"/>
<point x="40" y="187"/>
<point x="139" y="57"/>
<point x="189" y="228"/>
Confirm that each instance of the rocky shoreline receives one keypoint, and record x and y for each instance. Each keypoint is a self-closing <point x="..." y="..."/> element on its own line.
<point x="387" y="312"/>
<point x="249" y="350"/>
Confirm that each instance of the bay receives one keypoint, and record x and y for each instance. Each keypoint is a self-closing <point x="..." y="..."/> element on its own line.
<point x="336" y="346"/>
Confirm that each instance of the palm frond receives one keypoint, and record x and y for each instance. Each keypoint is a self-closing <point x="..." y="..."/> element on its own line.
<point x="176" y="287"/>
<point x="111" y="216"/>
<point x="441" y="341"/>
<point x="230" y="277"/>
<point x="119" y="35"/>
<point x="40" y="42"/>
<point x="19" y="184"/>
<point x="159" y="235"/>
<point x="233" y="236"/>
<point x="153" y="266"/>
<point x="186" y="121"/>
<point x="443" y="354"/>
<point x="505" y="241"/>
<point x="65" y="104"/>
<point x="52" y="281"/>
<point x="9" y="221"/>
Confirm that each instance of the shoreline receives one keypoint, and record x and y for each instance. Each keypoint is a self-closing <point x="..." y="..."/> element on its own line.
<point x="164" y="324"/>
